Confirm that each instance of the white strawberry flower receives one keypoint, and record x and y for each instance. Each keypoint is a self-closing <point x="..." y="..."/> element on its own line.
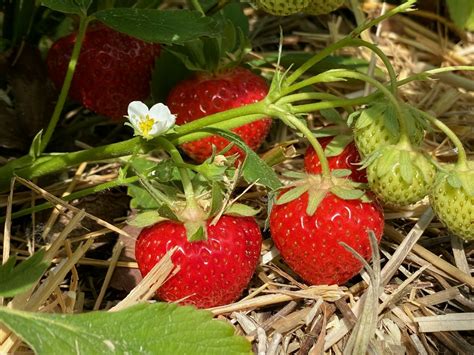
<point x="151" y="122"/>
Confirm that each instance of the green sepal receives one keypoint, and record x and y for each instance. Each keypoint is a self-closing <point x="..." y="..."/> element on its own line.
<point x="370" y="159"/>
<point x="196" y="230"/>
<point x="315" y="196"/>
<point x="292" y="194"/>
<point x="387" y="161"/>
<point x="467" y="181"/>
<point x="333" y="116"/>
<point x="454" y="181"/>
<point x="145" y="219"/>
<point x="369" y="115"/>
<point x="406" y="166"/>
<point x="294" y="174"/>
<point x="347" y="194"/>
<point x="423" y="164"/>
<point x="337" y="145"/>
<point x="329" y="131"/>
<point x="217" y="198"/>
<point x="340" y="173"/>
<point x="353" y="117"/>
<point x="241" y="210"/>
<point x="211" y="171"/>
<point x="390" y="120"/>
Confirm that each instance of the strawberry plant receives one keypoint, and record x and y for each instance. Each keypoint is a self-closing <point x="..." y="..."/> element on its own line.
<point x="252" y="177"/>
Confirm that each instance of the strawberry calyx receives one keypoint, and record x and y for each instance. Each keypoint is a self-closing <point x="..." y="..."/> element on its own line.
<point x="377" y="125"/>
<point x="190" y="194"/>
<point x="319" y="186"/>
<point x="458" y="177"/>
<point x="400" y="174"/>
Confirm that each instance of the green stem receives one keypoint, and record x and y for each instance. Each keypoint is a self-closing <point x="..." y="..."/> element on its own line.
<point x="462" y="157"/>
<point x="337" y="45"/>
<point x="66" y="84"/>
<point x="255" y="108"/>
<point x="306" y="96"/>
<point x="48" y="164"/>
<point x="291" y="120"/>
<point x="183" y="172"/>
<point x="347" y="41"/>
<point x="316" y="59"/>
<point x="73" y="196"/>
<point x="368" y="79"/>
<point x="332" y="104"/>
<point x="426" y="74"/>
<point x="197" y="6"/>
<point x="402" y="8"/>
<point x="230" y="124"/>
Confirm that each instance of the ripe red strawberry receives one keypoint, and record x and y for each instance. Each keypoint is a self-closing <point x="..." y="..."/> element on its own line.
<point x="113" y="69"/>
<point x="213" y="272"/>
<point x="205" y="94"/>
<point x="310" y="244"/>
<point x="347" y="159"/>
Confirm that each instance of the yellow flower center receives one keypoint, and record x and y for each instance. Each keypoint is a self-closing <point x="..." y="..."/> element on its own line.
<point x="146" y="124"/>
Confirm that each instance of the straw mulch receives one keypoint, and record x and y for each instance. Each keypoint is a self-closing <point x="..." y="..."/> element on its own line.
<point x="415" y="298"/>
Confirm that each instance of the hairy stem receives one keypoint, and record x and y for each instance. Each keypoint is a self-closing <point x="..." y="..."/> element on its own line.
<point x="291" y="120"/>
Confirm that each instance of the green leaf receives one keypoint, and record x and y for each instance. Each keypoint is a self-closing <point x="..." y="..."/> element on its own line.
<point x="158" y="328"/>
<point x="337" y="145"/>
<point x="15" y="280"/>
<point x="254" y="168"/>
<point x="141" y="198"/>
<point x="234" y="12"/>
<point x="146" y="218"/>
<point x="241" y="210"/>
<point x="167" y="73"/>
<point x="292" y="194"/>
<point x="166" y="27"/>
<point x="406" y="167"/>
<point x="142" y="165"/>
<point x="462" y="13"/>
<point x="78" y="7"/>
<point x="347" y="194"/>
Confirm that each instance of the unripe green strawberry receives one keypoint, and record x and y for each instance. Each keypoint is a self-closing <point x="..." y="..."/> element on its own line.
<point x="282" y="7"/>
<point x="452" y="199"/>
<point x="320" y="7"/>
<point x="377" y="126"/>
<point x="400" y="176"/>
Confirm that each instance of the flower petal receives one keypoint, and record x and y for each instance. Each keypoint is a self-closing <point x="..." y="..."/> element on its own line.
<point x="159" y="111"/>
<point x="136" y="111"/>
